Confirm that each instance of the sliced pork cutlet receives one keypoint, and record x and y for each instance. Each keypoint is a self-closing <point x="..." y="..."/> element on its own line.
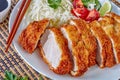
<point x="78" y="51"/>
<point x="88" y="39"/>
<point x="110" y="26"/>
<point x="116" y="21"/>
<point x="115" y="16"/>
<point x="105" y="56"/>
<point x="54" y="51"/>
<point x="30" y="36"/>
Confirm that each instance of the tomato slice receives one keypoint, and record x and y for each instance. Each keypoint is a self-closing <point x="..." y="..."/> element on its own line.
<point x="77" y="4"/>
<point x="93" y="15"/>
<point x="73" y="12"/>
<point x="80" y="12"/>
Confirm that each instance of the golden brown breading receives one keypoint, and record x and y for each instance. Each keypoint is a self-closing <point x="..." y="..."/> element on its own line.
<point x="79" y="52"/>
<point x="116" y="21"/>
<point x="30" y="36"/>
<point x="65" y="64"/>
<point x="111" y="28"/>
<point x="81" y="55"/>
<point x="106" y="51"/>
<point x="88" y="39"/>
<point x="115" y="16"/>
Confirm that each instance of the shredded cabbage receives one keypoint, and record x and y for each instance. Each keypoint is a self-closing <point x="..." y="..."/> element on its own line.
<point x="40" y="9"/>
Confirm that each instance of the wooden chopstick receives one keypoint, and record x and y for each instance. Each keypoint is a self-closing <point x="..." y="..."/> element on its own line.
<point x="116" y="2"/>
<point x="16" y="19"/>
<point x="26" y="5"/>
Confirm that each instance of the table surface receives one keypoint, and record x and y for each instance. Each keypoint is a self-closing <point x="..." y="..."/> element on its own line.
<point x="11" y="61"/>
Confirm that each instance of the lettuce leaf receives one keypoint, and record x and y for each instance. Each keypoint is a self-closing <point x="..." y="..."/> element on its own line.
<point x="96" y="2"/>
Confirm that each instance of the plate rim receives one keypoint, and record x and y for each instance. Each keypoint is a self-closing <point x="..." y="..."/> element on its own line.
<point x="16" y="6"/>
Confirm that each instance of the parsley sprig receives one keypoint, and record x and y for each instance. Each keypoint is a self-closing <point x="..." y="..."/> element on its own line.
<point x="87" y="2"/>
<point x="10" y="76"/>
<point x="54" y="3"/>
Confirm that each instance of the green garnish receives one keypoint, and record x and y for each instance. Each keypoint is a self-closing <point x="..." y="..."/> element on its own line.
<point x="106" y="7"/>
<point x="98" y="5"/>
<point x="11" y="76"/>
<point x="54" y="3"/>
<point x="24" y="78"/>
<point x="96" y="2"/>
<point x="40" y="78"/>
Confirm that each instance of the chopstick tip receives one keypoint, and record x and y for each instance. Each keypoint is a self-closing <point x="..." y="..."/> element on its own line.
<point x="6" y="50"/>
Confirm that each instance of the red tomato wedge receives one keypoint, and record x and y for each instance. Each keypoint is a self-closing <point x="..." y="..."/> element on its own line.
<point x="93" y="15"/>
<point x="77" y="3"/>
<point x="80" y="12"/>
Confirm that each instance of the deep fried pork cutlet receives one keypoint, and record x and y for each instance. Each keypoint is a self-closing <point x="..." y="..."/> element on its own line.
<point x="105" y="56"/>
<point x="78" y="50"/>
<point x="54" y="51"/>
<point x="88" y="39"/>
<point x="30" y="36"/>
<point x="112" y="27"/>
<point x="75" y="46"/>
<point x="115" y="16"/>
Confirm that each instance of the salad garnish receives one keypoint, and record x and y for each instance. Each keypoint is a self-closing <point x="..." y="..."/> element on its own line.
<point x="54" y="3"/>
<point x="89" y="10"/>
<point x="86" y="9"/>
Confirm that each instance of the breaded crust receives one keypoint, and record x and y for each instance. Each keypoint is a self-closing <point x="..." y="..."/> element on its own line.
<point x="117" y="28"/>
<point x="65" y="64"/>
<point x="111" y="28"/>
<point x="114" y="15"/>
<point x="30" y="36"/>
<point x="116" y="19"/>
<point x="79" y="52"/>
<point x="88" y="39"/>
<point x="81" y="55"/>
<point x="106" y="45"/>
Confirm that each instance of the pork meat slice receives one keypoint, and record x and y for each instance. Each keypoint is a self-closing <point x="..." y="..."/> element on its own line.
<point x="78" y="51"/>
<point x="88" y="39"/>
<point x="54" y="51"/>
<point x="109" y="24"/>
<point x="105" y="56"/>
<point x="30" y="36"/>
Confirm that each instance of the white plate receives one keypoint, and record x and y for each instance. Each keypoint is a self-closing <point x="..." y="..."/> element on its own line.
<point x="36" y="62"/>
